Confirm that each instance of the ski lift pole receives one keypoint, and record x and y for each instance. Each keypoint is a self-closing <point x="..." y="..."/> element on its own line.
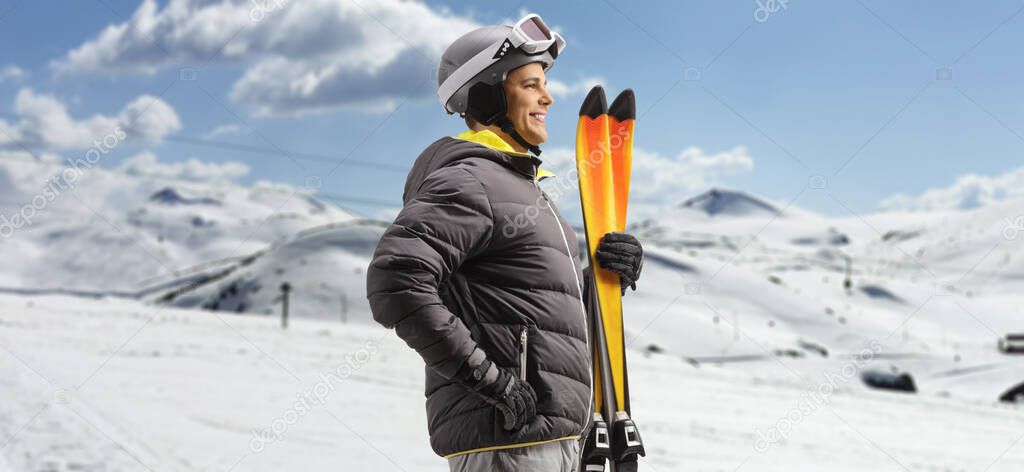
<point x="286" y="289"/>
<point x="848" y="281"/>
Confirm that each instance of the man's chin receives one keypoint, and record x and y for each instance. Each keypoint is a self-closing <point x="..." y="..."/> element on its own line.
<point x="537" y="138"/>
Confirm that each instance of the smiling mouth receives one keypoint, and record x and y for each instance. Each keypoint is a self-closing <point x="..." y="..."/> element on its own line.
<point x="539" y="117"/>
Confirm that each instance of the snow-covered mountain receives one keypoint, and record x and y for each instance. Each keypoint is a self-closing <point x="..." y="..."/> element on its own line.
<point x="936" y="289"/>
<point x="717" y="201"/>
<point x="118" y="231"/>
<point x="324" y="266"/>
<point x="730" y="278"/>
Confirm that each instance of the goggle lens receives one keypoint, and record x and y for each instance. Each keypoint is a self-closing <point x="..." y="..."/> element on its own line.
<point x="535" y="29"/>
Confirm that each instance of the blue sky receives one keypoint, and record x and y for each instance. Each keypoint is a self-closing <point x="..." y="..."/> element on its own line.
<point x="846" y="90"/>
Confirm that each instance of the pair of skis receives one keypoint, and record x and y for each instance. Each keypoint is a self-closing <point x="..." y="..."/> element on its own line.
<point x="604" y="153"/>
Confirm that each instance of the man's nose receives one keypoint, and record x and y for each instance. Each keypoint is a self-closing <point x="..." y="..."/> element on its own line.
<point x="546" y="98"/>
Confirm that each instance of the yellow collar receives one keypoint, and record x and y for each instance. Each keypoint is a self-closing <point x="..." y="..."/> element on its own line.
<point x="488" y="139"/>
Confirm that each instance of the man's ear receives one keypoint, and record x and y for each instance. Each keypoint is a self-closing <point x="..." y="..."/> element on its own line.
<point x="487" y="103"/>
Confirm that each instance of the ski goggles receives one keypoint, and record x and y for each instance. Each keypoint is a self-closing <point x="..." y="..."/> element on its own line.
<point x="532" y="36"/>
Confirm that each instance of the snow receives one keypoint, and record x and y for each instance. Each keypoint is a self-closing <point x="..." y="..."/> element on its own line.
<point x="119" y="231"/>
<point x="325" y="265"/>
<point x="139" y="330"/>
<point x="113" y="384"/>
<point x="724" y="202"/>
<point x="734" y="285"/>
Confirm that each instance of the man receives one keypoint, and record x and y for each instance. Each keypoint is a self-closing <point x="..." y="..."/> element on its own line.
<point x="479" y="273"/>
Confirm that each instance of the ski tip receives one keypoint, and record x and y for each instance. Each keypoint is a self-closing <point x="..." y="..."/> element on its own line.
<point x="624" y="106"/>
<point x="595" y="104"/>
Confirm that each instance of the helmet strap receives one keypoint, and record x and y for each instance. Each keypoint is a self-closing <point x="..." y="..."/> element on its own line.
<point x="488" y="105"/>
<point x="506" y="126"/>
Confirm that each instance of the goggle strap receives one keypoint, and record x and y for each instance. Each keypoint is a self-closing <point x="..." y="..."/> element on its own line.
<point x="468" y="70"/>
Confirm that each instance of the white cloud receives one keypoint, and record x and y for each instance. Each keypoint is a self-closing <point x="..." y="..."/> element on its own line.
<point x="658" y="180"/>
<point x="282" y="86"/>
<point x="11" y="72"/>
<point x="150" y="118"/>
<point x="45" y="123"/>
<point x="222" y="130"/>
<point x="967" y="192"/>
<point x="304" y="56"/>
<point x="559" y="89"/>
<point x="147" y="164"/>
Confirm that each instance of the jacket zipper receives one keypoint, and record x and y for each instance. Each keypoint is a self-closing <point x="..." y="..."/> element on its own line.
<point x="583" y="307"/>
<point x="522" y="354"/>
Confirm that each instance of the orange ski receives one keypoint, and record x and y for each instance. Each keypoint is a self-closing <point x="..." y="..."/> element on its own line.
<point x="604" y="143"/>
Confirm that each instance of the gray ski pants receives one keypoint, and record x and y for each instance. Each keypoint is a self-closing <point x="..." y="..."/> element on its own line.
<point x="557" y="456"/>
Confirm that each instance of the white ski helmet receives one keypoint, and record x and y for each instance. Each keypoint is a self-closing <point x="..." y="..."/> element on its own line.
<point x="472" y="69"/>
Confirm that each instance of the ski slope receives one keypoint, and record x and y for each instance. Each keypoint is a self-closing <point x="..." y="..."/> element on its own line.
<point x="736" y="277"/>
<point x="113" y="384"/>
<point x="729" y="276"/>
<point x="172" y="289"/>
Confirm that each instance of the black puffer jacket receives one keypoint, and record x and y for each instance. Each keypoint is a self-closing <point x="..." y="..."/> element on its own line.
<point x="479" y="263"/>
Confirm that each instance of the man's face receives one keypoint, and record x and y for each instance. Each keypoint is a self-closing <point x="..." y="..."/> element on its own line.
<point x="528" y="101"/>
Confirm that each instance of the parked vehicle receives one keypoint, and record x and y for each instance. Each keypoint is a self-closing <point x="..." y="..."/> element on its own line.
<point x="1012" y="344"/>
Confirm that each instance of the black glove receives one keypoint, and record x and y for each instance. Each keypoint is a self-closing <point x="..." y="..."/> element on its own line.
<point x="513" y="397"/>
<point x="622" y="254"/>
